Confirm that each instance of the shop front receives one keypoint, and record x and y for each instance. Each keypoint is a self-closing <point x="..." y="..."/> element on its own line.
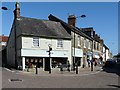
<point x="77" y="55"/>
<point x="30" y="59"/>
<point x="96" y="56"/>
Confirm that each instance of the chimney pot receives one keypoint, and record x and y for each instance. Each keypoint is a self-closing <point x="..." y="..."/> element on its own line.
<point x="17" y="10"/>
<point x="71" y="20"/>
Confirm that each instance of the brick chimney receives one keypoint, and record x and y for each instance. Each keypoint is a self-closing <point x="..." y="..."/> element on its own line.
<point x="71" y="20"/>
<point x="17" y="10"/>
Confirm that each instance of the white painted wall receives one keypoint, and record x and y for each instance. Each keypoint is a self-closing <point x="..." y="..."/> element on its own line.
<point x="78" y="52"/>
<point x="29" y="50"/>
<point x="107" y="54"/>
<point x="104" y="54"/>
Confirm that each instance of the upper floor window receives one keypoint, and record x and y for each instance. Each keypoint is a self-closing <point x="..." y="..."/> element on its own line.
<point x="89" y="44"/>
<point x="79" y="40"/>
<point x="97" y="46"/>
<point x="60" y="43"/>
<point x="84" y="43"/>
<point x="36" y="42"/>
<point x="94" y="46"/>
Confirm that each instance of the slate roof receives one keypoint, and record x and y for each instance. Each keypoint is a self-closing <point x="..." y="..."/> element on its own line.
<point x="105" y="46"/>
<point x="44" y="28"/>
<point x="95" y="36"/>
<point x="73" y="29"/>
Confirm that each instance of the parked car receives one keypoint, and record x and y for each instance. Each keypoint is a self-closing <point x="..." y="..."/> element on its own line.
<point x="110" y="63"/>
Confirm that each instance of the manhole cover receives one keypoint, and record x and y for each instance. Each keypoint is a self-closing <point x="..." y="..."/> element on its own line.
<point x="12" y="80"/>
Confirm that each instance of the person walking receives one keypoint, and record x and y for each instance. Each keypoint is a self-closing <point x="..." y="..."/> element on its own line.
<point x="88" y="60"/>
<point x="61" y="67"/>
<point x="92" y="64"/>
<point x="68" y="66"/>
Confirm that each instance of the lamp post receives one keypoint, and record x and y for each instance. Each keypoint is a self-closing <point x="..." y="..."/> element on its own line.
<point x="16" y="63"/>
<point x="50" y="49"/>
<point x="76" y="62"/>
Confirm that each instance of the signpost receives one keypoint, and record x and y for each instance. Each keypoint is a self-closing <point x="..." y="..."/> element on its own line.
<point x="50" y="49"/>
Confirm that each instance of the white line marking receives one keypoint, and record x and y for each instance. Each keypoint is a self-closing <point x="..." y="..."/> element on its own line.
<point x="9" y="70"/>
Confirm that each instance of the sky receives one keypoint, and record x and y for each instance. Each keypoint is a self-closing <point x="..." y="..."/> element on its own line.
<point x="102" y="16"/>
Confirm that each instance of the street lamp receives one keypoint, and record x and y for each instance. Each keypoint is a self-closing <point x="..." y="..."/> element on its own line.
<point x="4" y="8"/>
<point x="76" y="62"/>
<point x="16" y="63"/>
<point x="50" y="49"/>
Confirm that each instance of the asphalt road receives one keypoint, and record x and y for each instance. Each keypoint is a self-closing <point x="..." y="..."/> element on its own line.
<point x="99" y="80"/>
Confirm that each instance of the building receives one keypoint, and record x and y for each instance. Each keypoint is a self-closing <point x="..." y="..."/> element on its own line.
<point x="81" y="43"/>
<point x="97" y="42"/>
<point x="3" y="43"/>
<point x="30" y="40"/>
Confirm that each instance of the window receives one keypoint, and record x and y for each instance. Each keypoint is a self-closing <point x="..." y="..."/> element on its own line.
<point x="97" y="46"/>
<point x="89" y="44"/>
<point x="78" y="40"/>
<point x="84" y="43"/>
<point x="36" y="42"/>
<point x="94" y="46"/>
<point x="60" y="43"/>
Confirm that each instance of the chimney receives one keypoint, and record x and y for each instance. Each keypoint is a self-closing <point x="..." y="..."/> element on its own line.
<point x="17" y="10"/>
<point x="71" y="20"/>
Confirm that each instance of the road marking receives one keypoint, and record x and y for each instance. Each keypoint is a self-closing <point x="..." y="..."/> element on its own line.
<point x="9" y="70"/>
<point x="15" y="80"/>
<point x="9" y="80"/>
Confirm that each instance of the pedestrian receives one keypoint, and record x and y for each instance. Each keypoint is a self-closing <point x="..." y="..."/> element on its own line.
<point x="95" y="62"/>
<point x="29" y="66"/>
<point x="68" y="66"/>
<point x="61" y="67"/>
<point x="101" y="59"/>
<point x="88" y="60"/>
<point x="92" y="65"/>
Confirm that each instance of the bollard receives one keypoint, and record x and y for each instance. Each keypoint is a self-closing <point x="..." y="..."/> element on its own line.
<point x="36" y="70"/>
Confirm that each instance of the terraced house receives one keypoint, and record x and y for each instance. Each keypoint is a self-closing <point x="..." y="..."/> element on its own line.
<point x="81" y="43"/>
<point x="97" y="42"/>
<point x="86" y="44"/>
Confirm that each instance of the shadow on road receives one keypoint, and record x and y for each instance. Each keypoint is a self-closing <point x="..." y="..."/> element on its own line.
<point x="113" y="69"/>
<point x="114" y="86"/>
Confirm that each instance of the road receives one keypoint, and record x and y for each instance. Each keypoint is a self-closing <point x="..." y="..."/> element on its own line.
<point x="99" y="80"/>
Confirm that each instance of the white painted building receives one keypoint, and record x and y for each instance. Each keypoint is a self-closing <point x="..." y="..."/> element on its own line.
<point x="105" y="53"/>
<point x="29" y="42"/>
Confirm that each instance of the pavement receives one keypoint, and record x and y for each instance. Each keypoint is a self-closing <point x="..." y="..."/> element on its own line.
<point x="57" y="72"/>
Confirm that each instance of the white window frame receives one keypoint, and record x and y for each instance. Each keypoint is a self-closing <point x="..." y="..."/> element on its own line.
<point x="89" y="44"/>
<point x="59" y="43"/>
<point x="37" y="41"/>
<point x="84" y="43"/>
